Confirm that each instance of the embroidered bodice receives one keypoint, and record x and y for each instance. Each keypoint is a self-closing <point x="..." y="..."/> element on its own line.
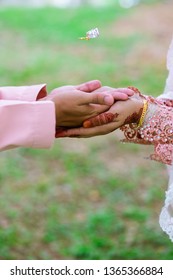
<point x="157" y="130"/>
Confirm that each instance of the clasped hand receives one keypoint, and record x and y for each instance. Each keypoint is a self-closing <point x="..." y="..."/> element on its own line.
<point x="94" y="110"/>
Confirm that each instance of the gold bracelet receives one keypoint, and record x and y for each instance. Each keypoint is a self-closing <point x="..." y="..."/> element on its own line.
<point x="144" y="111"/>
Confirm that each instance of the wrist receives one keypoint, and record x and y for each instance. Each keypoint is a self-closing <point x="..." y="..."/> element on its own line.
<point x="136" y="109"/>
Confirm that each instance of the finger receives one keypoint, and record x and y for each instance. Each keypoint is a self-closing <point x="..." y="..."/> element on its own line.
<point x="107" y="96"/>
<point x="126" y="91"/>
<point x="89" y="132"/>
<point x="101" y="119"/>
<point x="118" y="95"/>
<point x="129" y="91"/>
<point x="89" y="86"/>
<point x="122" y="94"/>
<point x="60" y="129"/>
<point x="97" y="98"/>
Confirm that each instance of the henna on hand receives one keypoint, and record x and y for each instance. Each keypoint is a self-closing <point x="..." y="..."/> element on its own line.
<point x="134" y="118"/>
<point x="136" y="90"/>
<point x="121" y="113"/>
<point x="101" y="119"/>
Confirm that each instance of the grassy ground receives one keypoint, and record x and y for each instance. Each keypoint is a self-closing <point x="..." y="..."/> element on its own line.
<point x="89" y="198"/>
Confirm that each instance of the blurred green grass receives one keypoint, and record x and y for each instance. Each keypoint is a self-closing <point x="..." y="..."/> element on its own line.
<point x="88" y="198"/>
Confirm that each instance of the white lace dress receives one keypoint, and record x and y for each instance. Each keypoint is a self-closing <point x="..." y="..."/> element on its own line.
<point x="157" y="130"/>
<point x="166" y="216"/>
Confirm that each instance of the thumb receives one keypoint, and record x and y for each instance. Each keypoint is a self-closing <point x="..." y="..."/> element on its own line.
<point x="98" y="98"/>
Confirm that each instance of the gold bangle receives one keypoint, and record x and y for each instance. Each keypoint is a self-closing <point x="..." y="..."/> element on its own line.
<point x="144" y="111"/>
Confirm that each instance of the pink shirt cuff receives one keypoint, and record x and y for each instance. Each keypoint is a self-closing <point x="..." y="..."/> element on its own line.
<point x="23" y="93"/>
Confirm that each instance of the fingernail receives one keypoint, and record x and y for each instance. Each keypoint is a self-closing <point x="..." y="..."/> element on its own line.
<point x="86" y="124"/>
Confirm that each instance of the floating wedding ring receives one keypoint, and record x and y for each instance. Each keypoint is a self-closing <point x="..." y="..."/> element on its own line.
<point x="93" y="33"/>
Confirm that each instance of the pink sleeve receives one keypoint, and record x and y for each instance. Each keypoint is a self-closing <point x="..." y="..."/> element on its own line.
<point x="23" y="93"/>
<point x="26" y="123"/>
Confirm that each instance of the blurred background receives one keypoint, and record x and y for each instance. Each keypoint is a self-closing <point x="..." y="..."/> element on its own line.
<point x="85" y="198"/>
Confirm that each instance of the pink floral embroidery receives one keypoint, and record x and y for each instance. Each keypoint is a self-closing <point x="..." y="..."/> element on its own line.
<point x="159" y="128"/>
<point x="156" y="130"/>
<point x="163" y="153"/>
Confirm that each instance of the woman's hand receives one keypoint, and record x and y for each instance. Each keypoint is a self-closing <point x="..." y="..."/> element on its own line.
<point x="120" y="113"/>
<point x="74" y="104"/>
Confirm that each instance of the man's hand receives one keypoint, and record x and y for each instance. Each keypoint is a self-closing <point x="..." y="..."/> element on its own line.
<point x="120" y="113"/>
<point x="74" y="104"/>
